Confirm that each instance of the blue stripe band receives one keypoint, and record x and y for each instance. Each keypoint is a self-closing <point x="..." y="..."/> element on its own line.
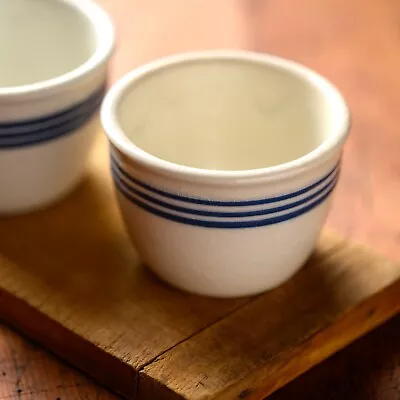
<point x="32" y="132"/>
<point x="128" y="188"/>
<point x="225" y="224"/>
<point x="221" y="203"/>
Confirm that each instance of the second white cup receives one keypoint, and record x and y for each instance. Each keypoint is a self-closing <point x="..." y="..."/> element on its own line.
<point x="52" y="81"/>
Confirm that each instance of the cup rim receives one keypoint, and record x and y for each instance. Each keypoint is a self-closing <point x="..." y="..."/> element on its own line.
<point x="105" y="31"/>
<point x="314" y="158"/>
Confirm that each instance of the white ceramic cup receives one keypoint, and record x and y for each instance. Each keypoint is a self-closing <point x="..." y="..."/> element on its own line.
<point x="53" y="70"/>
<point x="224" y="164"/>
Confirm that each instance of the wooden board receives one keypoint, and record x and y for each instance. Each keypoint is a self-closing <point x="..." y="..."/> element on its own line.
<point x="66" y="275"/>
<point x="70" y="279"/>
<point x="29" y="372"/>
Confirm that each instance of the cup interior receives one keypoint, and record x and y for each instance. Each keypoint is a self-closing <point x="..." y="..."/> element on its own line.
<point x="227" y="114"/>
<point x="41" y="40"/>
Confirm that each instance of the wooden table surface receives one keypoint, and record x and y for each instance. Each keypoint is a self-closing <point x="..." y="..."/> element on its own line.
<point x="356" y="44"/>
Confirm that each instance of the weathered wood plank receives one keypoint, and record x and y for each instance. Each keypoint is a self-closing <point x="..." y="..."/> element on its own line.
<point x="72" y="280"/>
<point x="341" y="294"/>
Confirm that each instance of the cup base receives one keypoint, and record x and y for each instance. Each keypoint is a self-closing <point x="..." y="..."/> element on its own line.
<point x="227" y="294"/>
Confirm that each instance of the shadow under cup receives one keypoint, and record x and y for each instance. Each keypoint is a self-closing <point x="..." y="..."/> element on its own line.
<point x="52" y="81"/>
<point x="224" y="165"/>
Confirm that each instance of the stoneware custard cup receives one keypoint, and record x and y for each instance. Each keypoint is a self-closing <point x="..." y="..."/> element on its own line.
<point x="224" y="164"/>
<point x="54" y="60"/>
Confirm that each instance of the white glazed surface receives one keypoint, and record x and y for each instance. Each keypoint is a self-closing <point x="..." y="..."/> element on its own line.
<point x="218" y="262"/>
<point x="225" y="262"/>
<point x="50" y="63"/>
<point x="41" y="175"/>
<point x="207" y="153"/>
<point x="211" y="129"/>
<point x="40" y="28"/>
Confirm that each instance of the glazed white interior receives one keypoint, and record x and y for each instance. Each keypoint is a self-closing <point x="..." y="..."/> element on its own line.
<point x="40" y="40"/>
<point x="226" y="115"/>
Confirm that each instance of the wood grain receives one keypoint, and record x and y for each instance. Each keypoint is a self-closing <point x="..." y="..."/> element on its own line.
<point x="77" y="270"/>
<point x="99" y="310"/>
<point x="26" y="372"/>
<point x="369" y="369"/>
<point x="355" y="44"/>
<point x="283" y="333"/>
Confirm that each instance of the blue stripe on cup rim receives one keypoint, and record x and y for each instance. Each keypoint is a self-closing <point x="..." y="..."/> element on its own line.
<point x="36" y="131"/>
<point x="222" y="203"/>
<point x="158" y="202"/>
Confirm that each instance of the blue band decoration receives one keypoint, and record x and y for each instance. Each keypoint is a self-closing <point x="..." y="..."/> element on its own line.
<point x="158" y="202"/>
<point x="35" y="131"/>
